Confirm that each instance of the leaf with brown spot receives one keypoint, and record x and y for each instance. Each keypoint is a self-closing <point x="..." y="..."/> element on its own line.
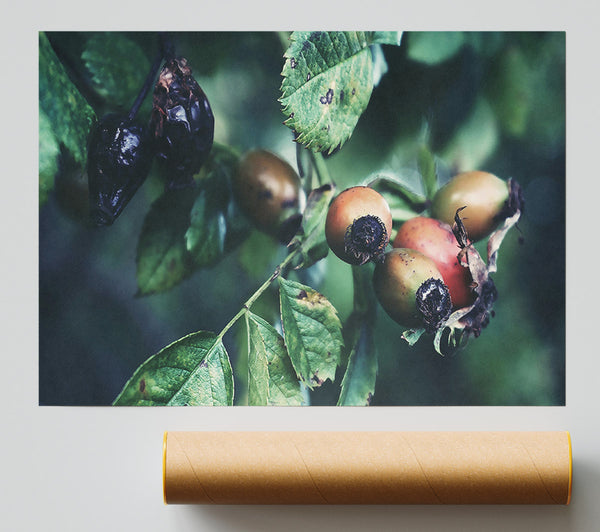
<point x="271" y="376"/>
<point x="312" y="332"/>
<point x="195" y="370"/>
<point x="326" y="87"/>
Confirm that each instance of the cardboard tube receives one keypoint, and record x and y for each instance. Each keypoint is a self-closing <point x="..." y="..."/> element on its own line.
<point x="367" y="467"/>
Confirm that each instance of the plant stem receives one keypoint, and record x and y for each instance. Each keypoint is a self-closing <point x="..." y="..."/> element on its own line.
<point x="146" y="86"/>
<point x="323" y="176"/>
<point x="364" y="298"/>
<point x="246" y="306"/>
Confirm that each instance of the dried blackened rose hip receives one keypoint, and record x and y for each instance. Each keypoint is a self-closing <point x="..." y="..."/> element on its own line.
<point x="119" y="159"/>
<point x="182" y="122"/>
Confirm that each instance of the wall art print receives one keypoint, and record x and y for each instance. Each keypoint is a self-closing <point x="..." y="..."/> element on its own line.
<point x="302" y="218"/>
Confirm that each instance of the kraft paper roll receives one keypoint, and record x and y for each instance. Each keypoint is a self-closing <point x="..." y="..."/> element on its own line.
<point x="367" y="468"/>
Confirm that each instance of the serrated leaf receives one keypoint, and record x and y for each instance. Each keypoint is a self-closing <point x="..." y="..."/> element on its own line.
<point x="162" y="256"/>
<point x="68" y="112"/>
<point x="311" y="238"/>
<point x="433" y="47"/>
<point x="358" y="384"/>
<point x="49" y="151"/>
<point x="312" y="332"/>
<point x="112" y="77"/>
<point x="193" y="371"/>
<point x="271" y="376"/>
<point x="327" y="84"/>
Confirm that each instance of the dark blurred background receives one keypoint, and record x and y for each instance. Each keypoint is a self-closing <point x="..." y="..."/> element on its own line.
<point x="490" y="101"/>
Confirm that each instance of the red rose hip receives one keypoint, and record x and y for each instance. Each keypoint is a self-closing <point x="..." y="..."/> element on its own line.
<point x="435" y="240"/>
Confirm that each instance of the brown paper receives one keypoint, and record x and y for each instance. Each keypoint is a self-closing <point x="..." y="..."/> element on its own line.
<point x="367" y="467"/>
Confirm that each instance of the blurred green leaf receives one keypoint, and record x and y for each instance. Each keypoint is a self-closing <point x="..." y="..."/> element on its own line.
<point x="510" y="91"/>
<point x="358" y="384"/>
<point x="427" y="169"/>
<point x="112" y="77"/>
<point x="327" y="84"/>
<point x="312" y="332"/>
<point x="380" y="66"/>
<point x="271" y="376"/>
<point x="486" y="43"/>
<point x="49" y="151"/>
<point x="66" y="110"/>
<point x="216" y="224"/>
<point x="433" y="47"/>
<point x="385" y="37"/>
<point x="258" y="254"/>
<point x="191" y="228"/>
<point x="163" y="260"/>
<point x="404" y="201"/>
<point x="475" y="141"/>
<point x="193" y="371"/>
<point x="205" y="237"/>
<point x="311" y="240"/>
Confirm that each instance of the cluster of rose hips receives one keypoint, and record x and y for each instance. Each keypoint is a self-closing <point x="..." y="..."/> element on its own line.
<point x="426" y="274"/>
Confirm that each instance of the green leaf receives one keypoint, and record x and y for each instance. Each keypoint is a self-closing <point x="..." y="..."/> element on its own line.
<point x="190" y="229"/>
<point x="427" y="169"/>
<point x="193" y="371"/>
<point x="327" y="84"/>
<point x="412" y="335"/>
<point x="511" y="91"/>
<point x="49" y="151"/>
<point x="433" y="47"/>
<point x="385" y="37"/>
<point x="259" y="254"/>
<point x="311" y="237"/>
<point x="312" y="332"/>
<point x="216" y="224"/>
<point x="162" y="256"/>
<point x="476" y="139"/>
<point x="117" y="67"/>
<point x="404" y="201"/>
<point x="271" y="376"/>
<point x="68" y="113"/>
<point x="358" y="384"/>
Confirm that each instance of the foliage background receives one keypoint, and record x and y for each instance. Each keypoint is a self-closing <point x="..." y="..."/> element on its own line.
<point x="494" y="101"/>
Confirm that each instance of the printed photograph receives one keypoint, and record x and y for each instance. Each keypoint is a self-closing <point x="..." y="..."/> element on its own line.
<point x="302" y="218"/>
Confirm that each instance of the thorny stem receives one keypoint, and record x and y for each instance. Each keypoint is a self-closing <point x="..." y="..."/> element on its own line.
<point x="246" y="306"/>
